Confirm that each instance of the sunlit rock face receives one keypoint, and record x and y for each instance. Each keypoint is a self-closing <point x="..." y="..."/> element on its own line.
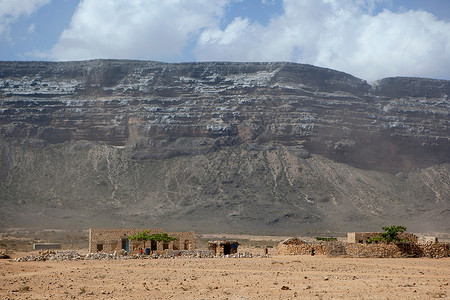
<point x="157" y="113"/>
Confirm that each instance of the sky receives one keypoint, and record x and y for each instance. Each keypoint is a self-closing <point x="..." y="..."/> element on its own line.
<point x="370" y="39"/>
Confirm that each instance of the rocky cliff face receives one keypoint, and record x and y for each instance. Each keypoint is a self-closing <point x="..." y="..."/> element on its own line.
<point x="252" y="145"/>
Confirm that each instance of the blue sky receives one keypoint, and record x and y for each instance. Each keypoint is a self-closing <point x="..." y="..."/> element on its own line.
<point x="370" y="39"/>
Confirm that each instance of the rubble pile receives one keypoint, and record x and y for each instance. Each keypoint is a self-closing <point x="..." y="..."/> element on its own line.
<point x="100" y="256"/>
<point x="51" y="255"/>
<point x="72" y="255"/>
<point x="243" y="255"/>
<point x="3" y="254"/>
<point x="188" y="254"/>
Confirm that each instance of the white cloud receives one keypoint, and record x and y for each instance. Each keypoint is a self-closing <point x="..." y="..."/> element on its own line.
<point x="339" y="34"/>
<point x="12" y="10"/>
<point x="353" y="36"/>
<point x="150" y="29"/>
<point x="31" y="28"/>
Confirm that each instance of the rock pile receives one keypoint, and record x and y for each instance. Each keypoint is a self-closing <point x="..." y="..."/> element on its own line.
<point x="51" y="255"/>
<point x="208" y="254"/>
<point x="3" y="254"/>
<point x="103" y="256"/>
<point x="243" y="255"/>
<point x="72" y="255"/>
<point x="188" y="254"/>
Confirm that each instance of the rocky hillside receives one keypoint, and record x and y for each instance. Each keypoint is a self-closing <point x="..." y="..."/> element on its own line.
<point x="237" y="147"/>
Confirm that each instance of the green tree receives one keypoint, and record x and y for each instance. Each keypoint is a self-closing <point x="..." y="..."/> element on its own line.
<point x="162" y="237"/>
<point x="141" y="236"/>
<point x="157" y="237"/>
<point x="390" y="234"/>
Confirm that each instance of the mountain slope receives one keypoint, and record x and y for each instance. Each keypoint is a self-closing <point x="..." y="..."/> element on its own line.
<point x="237" y="188"/>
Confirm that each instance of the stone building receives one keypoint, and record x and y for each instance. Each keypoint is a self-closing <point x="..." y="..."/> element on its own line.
<point x="110" y="240"/>
<point x="223" y="247"/>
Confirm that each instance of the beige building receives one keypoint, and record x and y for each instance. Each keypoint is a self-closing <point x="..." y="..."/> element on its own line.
<point x="110" y="240"/>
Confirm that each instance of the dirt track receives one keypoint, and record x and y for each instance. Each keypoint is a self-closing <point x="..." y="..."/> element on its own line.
<point x="278" y="277"/>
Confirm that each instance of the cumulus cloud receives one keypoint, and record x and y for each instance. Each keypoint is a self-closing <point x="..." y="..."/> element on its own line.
<point x="343" y="35"/>
<point x="150" y="29"/>
<point x="354" y="36"/>
<point x="12" y="10"/>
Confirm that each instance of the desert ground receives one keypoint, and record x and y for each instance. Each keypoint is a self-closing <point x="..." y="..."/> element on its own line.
<point x="276" y="277"/>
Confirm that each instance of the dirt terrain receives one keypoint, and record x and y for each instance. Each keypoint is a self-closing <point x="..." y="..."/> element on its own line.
<point x="277" y="277"/>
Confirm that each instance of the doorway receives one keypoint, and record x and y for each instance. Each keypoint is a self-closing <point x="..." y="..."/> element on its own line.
<point x="153" y="245"/>
<point x="226" y="249"/>
<point x="99" y="247"/>
<point x="126" y="244"/>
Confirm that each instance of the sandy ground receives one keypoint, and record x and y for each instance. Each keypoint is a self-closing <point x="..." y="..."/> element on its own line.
<point x="277" y="277"/>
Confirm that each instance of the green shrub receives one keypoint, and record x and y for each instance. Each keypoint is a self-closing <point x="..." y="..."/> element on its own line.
<point x="391" y="234"/>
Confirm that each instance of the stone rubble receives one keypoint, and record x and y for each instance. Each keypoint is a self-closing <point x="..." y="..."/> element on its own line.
<point x="52" y="255"/>
<point x="122" y="254"/>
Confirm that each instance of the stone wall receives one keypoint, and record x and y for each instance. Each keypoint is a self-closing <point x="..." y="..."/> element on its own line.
<point x="110" y="240"/>
<point x="295" y="246"/>
<point x="380" y="250"/>
<point x="403" y="249"/>
<point x="436" y="250"/>
<point x="392" y="250"/>
<point x="304" y="249"/>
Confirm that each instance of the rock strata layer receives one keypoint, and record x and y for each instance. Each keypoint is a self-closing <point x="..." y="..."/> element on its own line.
<point x="163" y="110"/>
